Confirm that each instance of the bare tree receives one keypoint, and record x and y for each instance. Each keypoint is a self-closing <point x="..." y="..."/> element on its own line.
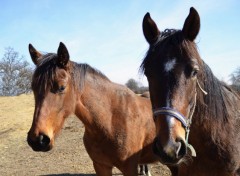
<point x="15" y="74"/>
<point x="235" y="78"/>
<point x="132" y="84"/>
<point x="135" y="86"/>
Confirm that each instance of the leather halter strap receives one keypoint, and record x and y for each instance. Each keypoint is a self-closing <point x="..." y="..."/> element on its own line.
<point x="171" y="112"/>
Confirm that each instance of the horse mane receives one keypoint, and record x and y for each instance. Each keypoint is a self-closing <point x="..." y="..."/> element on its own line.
<point x="214" y="104"/>
<point x="45" y="72"/>
<point x="80" y="71"/>
<point x="218" y="113"/>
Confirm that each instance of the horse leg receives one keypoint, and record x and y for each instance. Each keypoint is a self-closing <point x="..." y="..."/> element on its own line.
<point x="174" y="170"/>
<point x="142" y="172"/>
<point x="102" y="170"/>
<point x="130" y="168"/>
<point x="147" y="172"/>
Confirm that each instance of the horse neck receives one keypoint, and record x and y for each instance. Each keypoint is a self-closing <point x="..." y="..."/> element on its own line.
<point x="213" y="121"/>
<point x="105" y="107"/>
<point x="94" y="104"/>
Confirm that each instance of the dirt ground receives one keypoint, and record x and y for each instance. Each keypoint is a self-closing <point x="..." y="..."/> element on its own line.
<point x="68" y="158"/>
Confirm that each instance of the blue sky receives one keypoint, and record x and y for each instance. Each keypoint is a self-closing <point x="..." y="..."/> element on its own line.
<point x="108" y="34"/>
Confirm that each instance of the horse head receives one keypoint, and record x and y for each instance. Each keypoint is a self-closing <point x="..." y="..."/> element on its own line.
<point x="54" y="98"/>
<point x="172" y="66"/>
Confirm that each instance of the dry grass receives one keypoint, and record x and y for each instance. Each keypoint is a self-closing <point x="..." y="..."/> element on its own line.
<point x="16" y="116"/>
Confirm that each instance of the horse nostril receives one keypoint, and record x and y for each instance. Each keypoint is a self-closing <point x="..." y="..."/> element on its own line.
<point x="181" y="149"/>
<point x="44" y="140"/>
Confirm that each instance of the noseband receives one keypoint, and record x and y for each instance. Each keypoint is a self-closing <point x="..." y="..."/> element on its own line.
<point x="170" y="112"/>
<point x="186" y="122"/>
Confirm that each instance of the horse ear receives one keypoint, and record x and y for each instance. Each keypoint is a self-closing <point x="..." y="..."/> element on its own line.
<point x="191" y="25"/>
<point x="150" y="29"/>
<point x="63" y="56"/>
<point x="35" y="55"/>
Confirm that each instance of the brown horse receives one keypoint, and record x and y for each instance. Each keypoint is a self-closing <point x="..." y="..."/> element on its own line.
<point x="183" y="90"/>
<point x="119" y="129"/>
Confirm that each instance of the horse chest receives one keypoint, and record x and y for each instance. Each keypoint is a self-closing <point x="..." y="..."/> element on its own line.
<point x="102" y="149"/>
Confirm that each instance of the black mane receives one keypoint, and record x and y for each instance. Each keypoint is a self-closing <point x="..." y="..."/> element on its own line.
<point x="215" y="102"/>
<point x="80" y="71"/>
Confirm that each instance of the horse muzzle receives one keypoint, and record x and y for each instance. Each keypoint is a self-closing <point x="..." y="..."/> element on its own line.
<point x="39" y="143"/>
<point x="172" y="152"/>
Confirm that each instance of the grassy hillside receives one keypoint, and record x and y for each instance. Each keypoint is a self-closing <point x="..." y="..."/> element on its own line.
<point x="16" y="118"/>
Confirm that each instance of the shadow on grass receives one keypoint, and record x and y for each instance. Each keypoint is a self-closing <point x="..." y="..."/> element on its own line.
<point x="67" y="174"/>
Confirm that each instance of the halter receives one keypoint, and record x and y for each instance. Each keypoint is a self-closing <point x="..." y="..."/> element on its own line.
<point x="186" y="122"/>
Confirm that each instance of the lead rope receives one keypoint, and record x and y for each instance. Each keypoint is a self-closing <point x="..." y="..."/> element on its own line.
<point x="193" y="152"/>
<point x="205" y="93"/>
<point x="190" y="118"/>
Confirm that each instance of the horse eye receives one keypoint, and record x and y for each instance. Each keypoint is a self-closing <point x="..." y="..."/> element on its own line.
<point x="61" y="88"/>
<point x="194" y="72"/>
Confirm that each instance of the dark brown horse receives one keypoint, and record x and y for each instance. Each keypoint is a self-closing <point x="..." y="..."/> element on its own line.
<point x="185" y="96"/>
<point x="119" y="129"/>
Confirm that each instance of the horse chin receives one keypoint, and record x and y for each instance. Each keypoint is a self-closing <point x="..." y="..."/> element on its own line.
<point x="163" y="158"/>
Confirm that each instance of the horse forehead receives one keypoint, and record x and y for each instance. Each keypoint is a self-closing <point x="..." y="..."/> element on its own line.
<point x="61" y="73"/>
<point x="169" y="64"/>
